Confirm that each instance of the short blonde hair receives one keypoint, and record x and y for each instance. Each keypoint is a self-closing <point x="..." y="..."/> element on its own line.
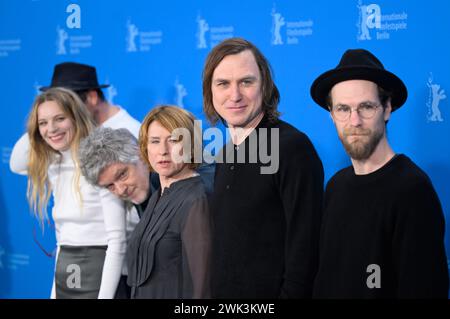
<point x="170" y="117"/>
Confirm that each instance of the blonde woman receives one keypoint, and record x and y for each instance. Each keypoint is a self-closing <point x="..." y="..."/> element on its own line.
<point x="169" y="251"/>
<point x="89" y="224"/>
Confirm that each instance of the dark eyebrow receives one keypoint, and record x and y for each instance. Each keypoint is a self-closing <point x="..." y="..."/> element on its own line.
<point x="116" y="176"/>
<point x="340" y="104"/>
<point x="368" y="103"/>
<point x="361" y="103"/>
<point x="244" y="78"/>
<point x="220" y="80"/>
<point x="52" y="117"/>
<point x="248" y="77"/>
<point x="119" y="172"/>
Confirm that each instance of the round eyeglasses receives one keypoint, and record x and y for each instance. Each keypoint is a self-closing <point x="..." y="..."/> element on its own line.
<point x="342" y="112"/>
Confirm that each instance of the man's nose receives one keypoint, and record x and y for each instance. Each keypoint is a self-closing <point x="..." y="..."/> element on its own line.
<point x="235" y="94"/>
<point x="355" y="118"/>
<point x="120" y="189"/>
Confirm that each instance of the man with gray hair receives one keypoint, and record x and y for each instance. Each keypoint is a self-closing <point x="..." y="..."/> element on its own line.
<point x="110" y="159"/>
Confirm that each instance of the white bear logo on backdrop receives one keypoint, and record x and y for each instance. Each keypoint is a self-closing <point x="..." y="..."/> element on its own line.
<point x="111" y="92"/>
<point x="141" y="41"/>
<point x="216" y="33"/>
<point x="202" y="28"/>
<point x="73" y="21"/>
<point x="180" y="93"/>
<point x="435" y="95"/>
<point x="61" y="38"/>
<point x="77" y="42"/>
<point x="277" y="23"/>
<point x="293" y="32"/>
<point x="369" y="18"/>
<point x="132" y="33"/>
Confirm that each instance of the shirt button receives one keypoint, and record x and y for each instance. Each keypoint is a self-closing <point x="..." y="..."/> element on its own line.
<point x="232" y="167"/>
<point x="228" y="187"/>
<point x="236" y="148"/>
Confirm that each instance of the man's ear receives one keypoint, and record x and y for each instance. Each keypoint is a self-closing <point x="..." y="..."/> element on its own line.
<point x="387" y="110"/>
<point x="92" y="98"/>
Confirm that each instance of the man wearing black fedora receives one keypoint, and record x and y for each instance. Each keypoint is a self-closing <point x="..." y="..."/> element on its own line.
<point x="382" y="232"/>
<point x="82" y="79"/>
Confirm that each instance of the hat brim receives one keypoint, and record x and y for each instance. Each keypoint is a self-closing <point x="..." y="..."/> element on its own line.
<point x="75" y="88"/>
<point x="322" y="86"/>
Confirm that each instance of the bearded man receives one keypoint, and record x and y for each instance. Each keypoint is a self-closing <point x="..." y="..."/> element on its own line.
<point x="382" y="233"/>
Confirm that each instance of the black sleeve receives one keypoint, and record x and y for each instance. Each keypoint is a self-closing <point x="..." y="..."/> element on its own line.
<point x="418" y="245"/>
<point x="207" y="172"/>
<point x="154" y="183"/>
<point x="196" y="239"/>
<point x="301" y="190"/>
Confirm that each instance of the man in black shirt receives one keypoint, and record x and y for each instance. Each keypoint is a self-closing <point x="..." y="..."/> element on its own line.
<point x="268" y="184"/>
<point x="382" y="232"/>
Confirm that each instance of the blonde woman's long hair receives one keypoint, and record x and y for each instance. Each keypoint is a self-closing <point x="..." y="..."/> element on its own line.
<point x="42" y="155"/>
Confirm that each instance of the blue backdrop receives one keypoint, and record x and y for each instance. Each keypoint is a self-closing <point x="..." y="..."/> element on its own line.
<point x="152" y="52"/>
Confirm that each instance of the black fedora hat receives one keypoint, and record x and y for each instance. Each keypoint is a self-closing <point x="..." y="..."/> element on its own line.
<point x="74" y="76"/>
<point x="359" y="64"/>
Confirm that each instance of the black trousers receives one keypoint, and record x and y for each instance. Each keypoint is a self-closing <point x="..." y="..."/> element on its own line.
<point x="123" y="290"/>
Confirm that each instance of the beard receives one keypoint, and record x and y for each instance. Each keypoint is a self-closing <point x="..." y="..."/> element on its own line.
<point x="362" y="148"/>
